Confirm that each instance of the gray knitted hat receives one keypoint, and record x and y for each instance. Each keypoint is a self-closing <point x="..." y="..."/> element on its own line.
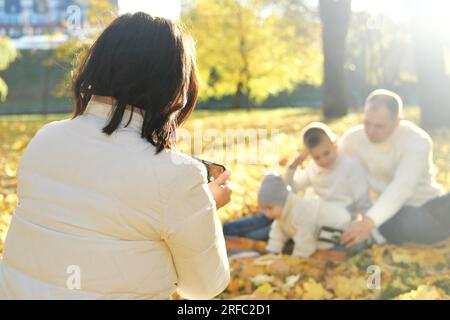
<point x="273" y="191"/>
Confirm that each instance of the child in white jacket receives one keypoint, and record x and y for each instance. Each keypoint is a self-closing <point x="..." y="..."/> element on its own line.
<point x="297" y="218"/>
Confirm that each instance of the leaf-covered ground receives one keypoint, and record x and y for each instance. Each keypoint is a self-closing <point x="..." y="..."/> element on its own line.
<point x="407" y="272"/>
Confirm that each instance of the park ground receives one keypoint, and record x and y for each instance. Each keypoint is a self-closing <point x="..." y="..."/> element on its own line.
<point x="407" y="272"/>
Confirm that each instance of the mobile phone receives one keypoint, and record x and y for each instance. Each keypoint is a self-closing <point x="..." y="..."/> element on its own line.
<point x="330" y="235"/>
<point x="213" y="169"/>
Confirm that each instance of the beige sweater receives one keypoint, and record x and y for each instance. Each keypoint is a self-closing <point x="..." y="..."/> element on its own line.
<point x="401" y="170"/>
<point x="134" y="224"/>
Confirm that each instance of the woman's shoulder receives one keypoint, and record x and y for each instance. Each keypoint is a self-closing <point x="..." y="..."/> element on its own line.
<point x="48" y="132"/>
<point x="53" y="125"/>
<point x="182" y="168"/>
<point x="59" y="129"/>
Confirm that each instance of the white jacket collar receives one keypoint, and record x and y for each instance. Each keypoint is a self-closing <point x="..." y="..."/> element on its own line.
<point x="104" y="110"/>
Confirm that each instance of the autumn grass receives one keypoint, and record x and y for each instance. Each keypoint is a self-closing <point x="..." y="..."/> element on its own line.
<point x="409" y="272"/>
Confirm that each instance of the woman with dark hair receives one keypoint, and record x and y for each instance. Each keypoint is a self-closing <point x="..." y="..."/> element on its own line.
<point x="108" y="209"/>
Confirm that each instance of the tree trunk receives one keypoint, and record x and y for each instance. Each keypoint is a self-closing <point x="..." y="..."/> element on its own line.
<point x="242" y="96"/>
<point x="238" y="96"/>
<point x="335" y="17"/>
<point x="430" y="66"/>
<point x="243" y="87"/>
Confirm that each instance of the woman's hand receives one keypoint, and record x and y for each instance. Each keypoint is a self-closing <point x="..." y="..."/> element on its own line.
<point x="299" y="160"/>
<point x="219" y="189"/>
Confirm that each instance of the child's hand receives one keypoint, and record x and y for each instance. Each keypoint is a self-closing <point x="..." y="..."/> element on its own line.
<point x="299" y="160"/>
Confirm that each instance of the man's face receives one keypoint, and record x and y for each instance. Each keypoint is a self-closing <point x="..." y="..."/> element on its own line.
<point x="325" y="154"/>
<point x="272" y="211"/>
<point x="379" y="123"/>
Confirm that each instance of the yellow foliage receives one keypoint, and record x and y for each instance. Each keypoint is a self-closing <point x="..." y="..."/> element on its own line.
<point x="315" y="291"/>
<point x="263" y="50"/>
<point x="424" y="256"/>
<point x="348" y="288"/>
<point x="265" y="288"/>
<point x="235" y="285"/>
<point x="424" y="292"/>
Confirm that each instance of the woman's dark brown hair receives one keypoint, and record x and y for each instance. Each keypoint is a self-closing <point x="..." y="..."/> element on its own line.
<point x="146" y="62"/>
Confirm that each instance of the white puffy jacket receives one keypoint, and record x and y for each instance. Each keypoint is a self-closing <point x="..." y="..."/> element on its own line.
<point x="103" y="217"/>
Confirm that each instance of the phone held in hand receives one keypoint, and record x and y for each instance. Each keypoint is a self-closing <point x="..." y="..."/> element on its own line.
<point x="213" y="169"/>
<point x="330" y="235"/>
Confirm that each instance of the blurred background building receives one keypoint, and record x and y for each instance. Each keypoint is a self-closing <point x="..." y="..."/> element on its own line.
<point x="42" y="24"/>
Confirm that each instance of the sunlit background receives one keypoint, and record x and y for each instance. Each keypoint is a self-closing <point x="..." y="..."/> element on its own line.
<point x="252" y="53"/>
<point x="265" y="64"/>
<point x="321" y="54"/>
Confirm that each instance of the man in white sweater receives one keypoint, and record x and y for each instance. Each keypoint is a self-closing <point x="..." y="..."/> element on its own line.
<point x="398" y="155"/>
